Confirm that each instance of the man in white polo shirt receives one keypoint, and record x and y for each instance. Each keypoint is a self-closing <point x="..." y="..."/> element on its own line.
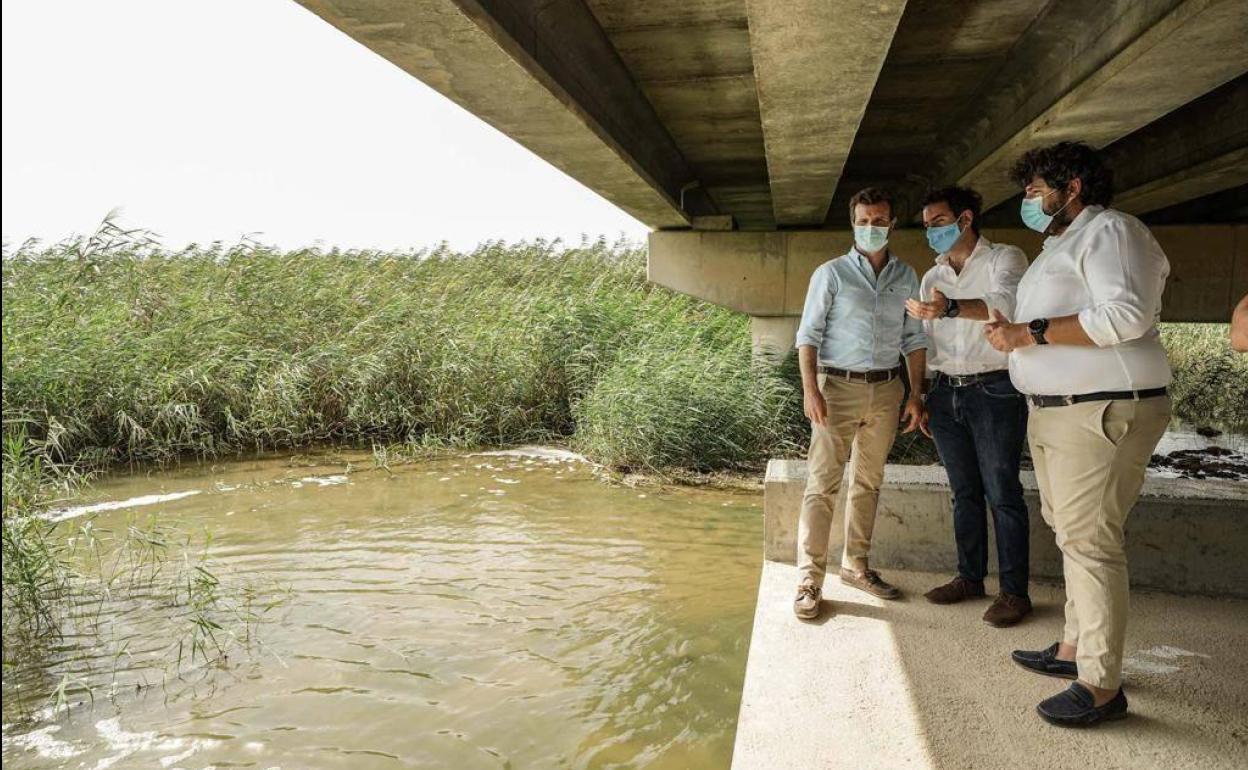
<point x="1087" y="353"/>
<point x="978" y="419"/>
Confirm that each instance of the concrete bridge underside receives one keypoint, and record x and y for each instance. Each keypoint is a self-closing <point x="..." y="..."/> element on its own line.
<point x="738" y="129"/>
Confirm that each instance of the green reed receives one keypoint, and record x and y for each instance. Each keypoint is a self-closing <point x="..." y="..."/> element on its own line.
<point x="117" y="350"/>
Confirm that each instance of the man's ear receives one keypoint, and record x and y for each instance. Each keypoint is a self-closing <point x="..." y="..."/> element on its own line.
<point x="1075" y="190"/>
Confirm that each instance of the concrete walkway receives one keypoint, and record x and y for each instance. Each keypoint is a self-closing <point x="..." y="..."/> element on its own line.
<point x="907" y="684"/>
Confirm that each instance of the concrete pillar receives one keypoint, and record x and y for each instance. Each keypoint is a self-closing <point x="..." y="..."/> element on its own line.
<point x="772" y="337"/>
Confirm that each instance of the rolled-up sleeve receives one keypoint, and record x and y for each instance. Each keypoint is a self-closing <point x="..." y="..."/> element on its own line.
<point x="1007" y="271"/>
<point x="1125" y="270"/>
<point x="912" y="335"/>
<point x="819" y="296"/>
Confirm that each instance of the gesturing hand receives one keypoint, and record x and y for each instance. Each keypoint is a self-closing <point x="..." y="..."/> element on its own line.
<point x="928" y="310"/>
<point x="1005" y="336"/>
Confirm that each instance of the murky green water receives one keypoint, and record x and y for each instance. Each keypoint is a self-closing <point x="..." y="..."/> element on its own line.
<point x="476" y="612"/>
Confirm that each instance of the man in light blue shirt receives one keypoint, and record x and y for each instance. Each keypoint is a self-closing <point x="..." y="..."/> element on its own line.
<point x="853" y="333"/>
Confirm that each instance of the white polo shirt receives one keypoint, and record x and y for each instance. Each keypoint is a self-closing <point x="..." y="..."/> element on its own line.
<point x="1107" y="268"/>
<point x="991" y="273"/>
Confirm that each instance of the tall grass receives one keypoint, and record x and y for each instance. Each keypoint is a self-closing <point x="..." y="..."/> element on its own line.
<point x="1210" y="385"/>
<point x="117" y="350"/>
<point x="133" y="353"/>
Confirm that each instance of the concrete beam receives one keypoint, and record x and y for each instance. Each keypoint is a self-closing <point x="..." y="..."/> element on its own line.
<point x="546" y="76"/>
<point x="767" y="273"/>
<point x="815" y="65"/>
<point x="1197" y="150"/>
<point x="1156" y="73"/>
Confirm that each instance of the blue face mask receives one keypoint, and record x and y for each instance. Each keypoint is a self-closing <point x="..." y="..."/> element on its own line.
<point x="1032" y="212"/>
<point x="942" y="238"/>
<point x="870" y="238"/>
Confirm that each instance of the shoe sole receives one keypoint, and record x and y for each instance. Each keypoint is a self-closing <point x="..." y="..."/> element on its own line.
<point x="1007" y="625"/>
<point x="1081" y="722"/>
<point x="955" y="601"/>
<point x="869" y="592"/>
<point x="1067" y="677"/>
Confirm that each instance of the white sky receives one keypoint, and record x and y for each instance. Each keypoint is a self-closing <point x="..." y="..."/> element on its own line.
<point x="208" y="120"/>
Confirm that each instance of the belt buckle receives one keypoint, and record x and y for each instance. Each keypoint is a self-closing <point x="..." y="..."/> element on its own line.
<point x="1068" y="400"/>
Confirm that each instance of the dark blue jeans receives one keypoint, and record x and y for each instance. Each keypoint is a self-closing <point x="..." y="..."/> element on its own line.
<point x="979" y="431"/>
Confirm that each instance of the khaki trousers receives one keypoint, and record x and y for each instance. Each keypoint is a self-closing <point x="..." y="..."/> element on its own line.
<point x="861" y="426"/>
<point x="1090" y="460"/>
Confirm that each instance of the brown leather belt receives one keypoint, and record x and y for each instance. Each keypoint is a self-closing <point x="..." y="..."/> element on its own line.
<point x="1103" y="395"/>
<point x="872" y="376"/>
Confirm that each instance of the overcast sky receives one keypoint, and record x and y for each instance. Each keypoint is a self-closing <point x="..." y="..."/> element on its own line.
<point x="207" y="120"/>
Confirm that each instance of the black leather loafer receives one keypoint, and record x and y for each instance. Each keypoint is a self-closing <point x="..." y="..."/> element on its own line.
<point x="1075" y="708"/>
<point x="1045" y="662"/>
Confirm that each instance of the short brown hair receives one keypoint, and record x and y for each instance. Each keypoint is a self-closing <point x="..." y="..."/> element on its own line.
<point x="868" y="196"/>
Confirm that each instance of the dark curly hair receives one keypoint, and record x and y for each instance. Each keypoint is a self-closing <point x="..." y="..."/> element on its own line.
<point x="1059" y="163"/>
<point x="959" y="199"/>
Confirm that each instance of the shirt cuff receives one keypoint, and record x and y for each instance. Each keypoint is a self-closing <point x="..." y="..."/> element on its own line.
<point x="809" y="338"/>
<point x="918" y="342"/>
<point x="1098" y="328"/>
<point x="1000" y="304"/>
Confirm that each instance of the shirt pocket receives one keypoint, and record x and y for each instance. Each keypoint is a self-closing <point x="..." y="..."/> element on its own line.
<point x="892" y="299"/>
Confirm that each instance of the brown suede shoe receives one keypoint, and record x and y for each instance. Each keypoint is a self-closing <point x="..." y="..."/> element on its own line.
<point x="1007" y="610"/>
<point x="806" y="605"/>
<point x="956" y="590"/>
<point x="870" y="581"/>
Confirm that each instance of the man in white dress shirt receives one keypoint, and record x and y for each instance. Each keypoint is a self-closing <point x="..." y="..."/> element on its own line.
<point x="1086" y="352"/>
<point x="978" y="419"/>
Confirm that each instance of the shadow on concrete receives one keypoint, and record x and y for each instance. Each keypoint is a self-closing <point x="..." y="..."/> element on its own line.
<point x="875" y="684"/>
<point x="1186" y="679"/>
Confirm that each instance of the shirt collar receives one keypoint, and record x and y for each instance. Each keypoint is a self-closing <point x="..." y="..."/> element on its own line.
<point x="862" y="258"/>
<point x="981" y="245"/>
<point x="1087" y="215"/>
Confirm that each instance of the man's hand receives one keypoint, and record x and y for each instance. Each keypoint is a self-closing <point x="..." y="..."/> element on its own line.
<point x="915" y="416"/>
<point x="1005" y="336"/>
<point x="928" y="310"/>
<point x="816" y="408"/>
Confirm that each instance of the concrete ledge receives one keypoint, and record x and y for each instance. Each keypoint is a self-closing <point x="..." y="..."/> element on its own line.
<point x="876" y="685"/>
<point x="1186" y="536"/>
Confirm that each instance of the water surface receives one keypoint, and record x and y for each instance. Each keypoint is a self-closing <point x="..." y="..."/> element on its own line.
<point x="471" y="612"/>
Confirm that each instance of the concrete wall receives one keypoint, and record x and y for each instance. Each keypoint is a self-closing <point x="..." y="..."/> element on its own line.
<point x="1186" y="536"/>
<point x="767" y="273"/>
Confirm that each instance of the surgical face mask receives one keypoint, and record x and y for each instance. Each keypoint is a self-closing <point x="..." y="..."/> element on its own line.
<point x="870" y="238"/>
<point x="942" y="237"/>
<point x="1032" y="212"/>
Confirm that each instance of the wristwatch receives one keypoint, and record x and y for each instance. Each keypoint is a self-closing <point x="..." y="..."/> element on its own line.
<point x="1037" y="328"/>
<point x="951" y="308"/>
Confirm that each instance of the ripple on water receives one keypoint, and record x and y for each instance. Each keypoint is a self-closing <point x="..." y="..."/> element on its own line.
<point x="564" y="623"/>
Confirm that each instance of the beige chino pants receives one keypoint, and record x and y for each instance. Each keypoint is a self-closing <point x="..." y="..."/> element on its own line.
<point x="861" y="426"/>
<point x="1090" y="461"/>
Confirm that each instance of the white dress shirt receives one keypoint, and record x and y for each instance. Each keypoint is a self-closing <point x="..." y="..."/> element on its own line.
<point x="991" y="273"/>
<point x="1107" y="268"/>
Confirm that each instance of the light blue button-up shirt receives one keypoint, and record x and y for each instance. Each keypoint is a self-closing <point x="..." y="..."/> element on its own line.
<point x="858" y="321"/>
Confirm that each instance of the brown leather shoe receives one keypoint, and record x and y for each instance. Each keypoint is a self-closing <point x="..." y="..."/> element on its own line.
<point x="956" y="590"/>
<point x="870" y="581"/>
<point x="1007" y="609"/>
<point x="806" y="605"/>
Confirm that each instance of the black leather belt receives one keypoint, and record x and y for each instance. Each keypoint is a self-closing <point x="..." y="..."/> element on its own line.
<point x="1103" y="395"/>
<point x="962" y="380"/>
<point x="875" y="375"/>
